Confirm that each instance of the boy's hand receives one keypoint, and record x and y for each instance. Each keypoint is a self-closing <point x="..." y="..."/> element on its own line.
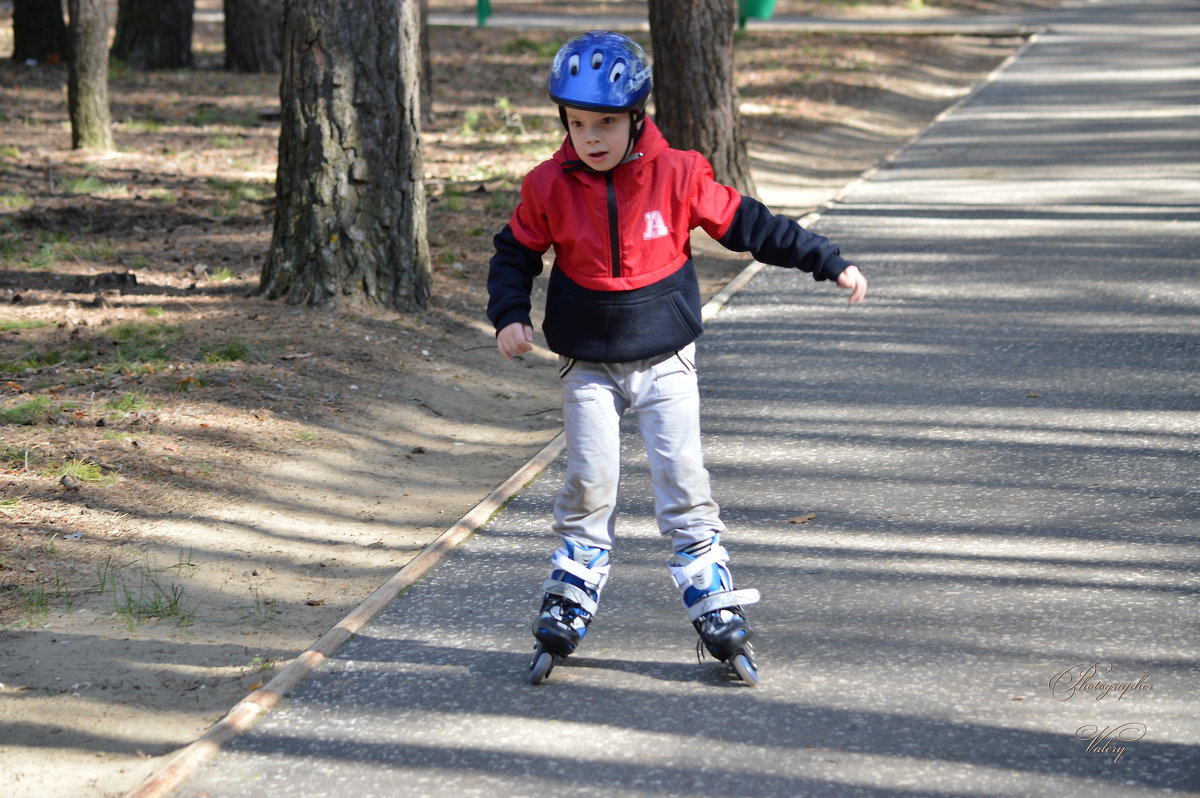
<point x="515" y="339"/>
<point x="852" y="280"/>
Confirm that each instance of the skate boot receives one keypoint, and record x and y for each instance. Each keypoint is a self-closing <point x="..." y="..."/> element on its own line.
<point x="571" y="597"/>
<point x="714" y="607"/>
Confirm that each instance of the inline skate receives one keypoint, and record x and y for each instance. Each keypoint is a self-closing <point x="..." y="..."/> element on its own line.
<point x="572" y="593"/>
<point x="714" y="607"/>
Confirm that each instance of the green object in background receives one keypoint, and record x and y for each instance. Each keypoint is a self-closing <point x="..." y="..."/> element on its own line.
<point x="483" y="10"/>
<point x="759" y="9"/>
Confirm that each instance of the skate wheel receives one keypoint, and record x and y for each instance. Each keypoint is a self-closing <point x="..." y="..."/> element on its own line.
<point x="539" y="669"/>
<point x="744" y="667"/>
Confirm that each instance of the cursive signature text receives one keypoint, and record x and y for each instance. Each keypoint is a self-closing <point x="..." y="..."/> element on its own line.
<point x="1107" y="741"/>
<point x="1083" y="678"/>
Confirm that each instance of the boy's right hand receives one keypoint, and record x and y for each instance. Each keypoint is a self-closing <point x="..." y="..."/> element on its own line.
<point x="515" y="339"/>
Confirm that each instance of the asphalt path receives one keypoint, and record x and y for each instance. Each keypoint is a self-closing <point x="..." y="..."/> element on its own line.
<point x="996" y="594"/>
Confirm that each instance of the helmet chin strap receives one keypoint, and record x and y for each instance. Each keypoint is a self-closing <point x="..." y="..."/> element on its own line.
<point x="636" y="120"/>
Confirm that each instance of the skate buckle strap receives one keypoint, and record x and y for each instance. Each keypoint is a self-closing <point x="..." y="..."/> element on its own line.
<point x="722" y="600"/>
<point x="571" y="593"/>
<point x="682" y="574"/>
<point x="592" y="578"/>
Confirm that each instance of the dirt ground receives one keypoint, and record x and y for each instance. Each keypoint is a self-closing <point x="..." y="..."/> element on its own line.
<point x="196" y="483"/>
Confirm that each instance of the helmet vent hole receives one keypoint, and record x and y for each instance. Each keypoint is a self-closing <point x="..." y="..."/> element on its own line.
<point x="617" y="71"/>
<point x="597" y="59"/>
<point x="573" y="65"/>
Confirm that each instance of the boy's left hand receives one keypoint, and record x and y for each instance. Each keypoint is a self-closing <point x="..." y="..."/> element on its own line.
<point x="852" y="280"/>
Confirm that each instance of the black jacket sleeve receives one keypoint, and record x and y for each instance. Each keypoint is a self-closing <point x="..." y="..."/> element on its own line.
<point x="779" y="241"/>
<point x="510" y="280"/>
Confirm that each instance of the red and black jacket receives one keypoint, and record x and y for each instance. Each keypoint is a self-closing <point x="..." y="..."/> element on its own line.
<point x="623" y="286"/>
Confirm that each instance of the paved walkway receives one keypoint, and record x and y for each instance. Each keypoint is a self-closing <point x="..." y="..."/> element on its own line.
<point x="1001" y="453"/>
<point x="990" y="24"/>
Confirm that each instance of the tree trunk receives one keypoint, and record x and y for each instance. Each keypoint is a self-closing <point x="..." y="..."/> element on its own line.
<point x="350" y="194"/>
<point x="253" y="34"/>
<point x="426" y="67"/>
<point x="39" y="33"/>
<point x="87" y="82"/>
<point x="154" y="34"/>
<point x="695" y="98"/>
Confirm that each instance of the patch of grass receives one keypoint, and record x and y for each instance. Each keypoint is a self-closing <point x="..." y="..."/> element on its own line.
<point x="131" y="402"/>
<point x="151" y="601"/>
<point x="144" y="126"/>
<point x="305" y="435"/>
<point x="262" y="664"/>
<point x="32" y="360"/>
<point x="15" y="201"/>
<point x="522" y="46"/>
<point x="27" y="413"/>
<point x="501" y="200"/>
<point x="41" y="358"/>
<point x="118" y="69"/>
<point x="205" y="115"/>
<point x="233" y="349"/>
<point x="75" y="468"/>
<point x="21" y="457"/>
<point x="454" y="198"/>
<point x="100" y="250"/>
<point x="106" y="578"/>
<point x="223" y="274"/>
<point x="65" y="594"/>
<point x="183" y="565"/>
<point x="36" y="605"/>
<point x="44" y="259"/>
<point x="237" y="192"/>
<point x="8" y="325"/>
<point x="9" y="504"/>
<point x="10" y="152"/>
<point x="90" y="184"/>
<point x="223" y="142"/>
<point x="9" y="246"/>
<point x="263" y="611"/>
<point x="154" y="311"/>
<point x="142" y="343"/>
<point x="164" y="195"/>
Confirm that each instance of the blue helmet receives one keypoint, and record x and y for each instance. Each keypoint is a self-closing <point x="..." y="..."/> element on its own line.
<point x="600" y="71"/>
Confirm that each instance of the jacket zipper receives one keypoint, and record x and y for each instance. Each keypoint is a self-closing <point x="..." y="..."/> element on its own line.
<point x="614" y="229"/>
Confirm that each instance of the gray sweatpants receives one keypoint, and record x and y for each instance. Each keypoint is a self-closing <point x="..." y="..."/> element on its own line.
<point x="662" y="392"/>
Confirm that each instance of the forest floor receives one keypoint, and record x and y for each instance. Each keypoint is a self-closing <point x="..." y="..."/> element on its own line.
<point x="196" y="483"/>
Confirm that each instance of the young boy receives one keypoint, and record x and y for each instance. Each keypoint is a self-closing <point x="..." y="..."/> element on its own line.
<point x="617" y="205"/>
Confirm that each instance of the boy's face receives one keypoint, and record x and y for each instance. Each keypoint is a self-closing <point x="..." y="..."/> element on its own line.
<point x="600" y="137"/>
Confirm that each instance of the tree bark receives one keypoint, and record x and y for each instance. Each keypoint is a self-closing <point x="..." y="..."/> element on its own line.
<point x="695" y="98"/>
<point x="426" y="67"/>
<point x="350" y="197"/>
<point x="253" y="35"/>
<point x="87" y="81"/>
<point x="39" y="33"/>
<point x="154" y="34"/>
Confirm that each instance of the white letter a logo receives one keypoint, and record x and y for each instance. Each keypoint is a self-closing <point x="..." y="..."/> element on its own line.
<point x="656" y="227"/>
